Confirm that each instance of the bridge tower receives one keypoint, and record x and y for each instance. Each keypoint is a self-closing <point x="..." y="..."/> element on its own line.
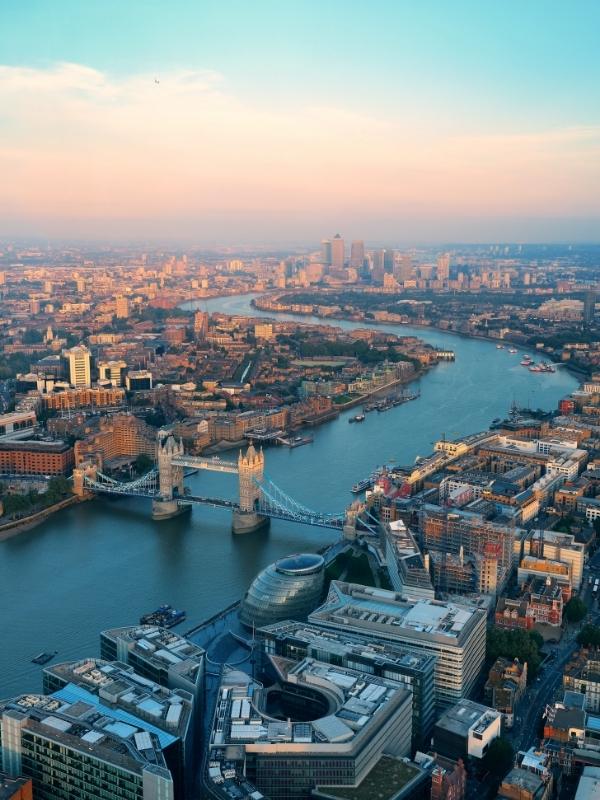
<point x="170" y="478"/>
<point x="251" y="469"/>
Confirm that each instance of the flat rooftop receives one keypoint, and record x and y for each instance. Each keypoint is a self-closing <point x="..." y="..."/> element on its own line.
<point x="119" y="686"/>
<point x="347" y="644"/>
<point x="467" y="715"/>
<point x="385" y="781"/>
<point x="162" y="647"/>
<point x="379" y="609"/>
<point x="355" y="698"/>
<point x="68" y="719"/>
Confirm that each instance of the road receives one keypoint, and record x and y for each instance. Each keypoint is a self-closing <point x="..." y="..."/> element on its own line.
<point x="544" y="688"/>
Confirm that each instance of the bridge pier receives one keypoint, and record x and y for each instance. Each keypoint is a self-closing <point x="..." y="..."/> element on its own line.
<point x="166" y="509"/>
<point x="248" y="521"/>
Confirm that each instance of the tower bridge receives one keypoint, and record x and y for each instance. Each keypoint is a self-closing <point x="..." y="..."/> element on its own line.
<point x="259" y="498"/>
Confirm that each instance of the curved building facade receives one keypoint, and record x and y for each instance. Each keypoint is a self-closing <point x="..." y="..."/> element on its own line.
<point x="288" y="589"/>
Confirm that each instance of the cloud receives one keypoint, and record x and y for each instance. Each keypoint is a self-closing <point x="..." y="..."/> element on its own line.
<point x="77" y="143"/>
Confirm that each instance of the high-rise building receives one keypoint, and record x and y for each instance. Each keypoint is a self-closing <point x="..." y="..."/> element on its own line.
<point x="443" y="267"/>
<point x="157" y="654"/>
<point x="589" y="308"/>
<point x="357" y="254"/>
<point x="337" y="252"/>
<point x="326" y="252"/>
<point x="122" y="307"/>
<point x="71" y="749"/>
<point x="298" y="640"/>
<point x="452" y="632"/>
<point x="388" y="261"/>
<point x="113" y="689"/>
<point x="200" y="325"/>
<point x="112" y="371"/>
<point x="318" y="725"/>
<point x="403" y="268"/>
<point x="79" y="361"/>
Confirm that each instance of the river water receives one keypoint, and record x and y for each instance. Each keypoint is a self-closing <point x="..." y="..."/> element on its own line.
<point x="103" y="563"/>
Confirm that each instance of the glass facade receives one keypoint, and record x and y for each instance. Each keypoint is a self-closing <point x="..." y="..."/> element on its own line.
<point x="289" y="589"/>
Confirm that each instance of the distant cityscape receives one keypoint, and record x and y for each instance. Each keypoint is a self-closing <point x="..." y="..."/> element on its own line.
<point x="444" y="645"/>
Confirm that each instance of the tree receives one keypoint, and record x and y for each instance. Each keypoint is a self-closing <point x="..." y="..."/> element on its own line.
<point x="523" y="645"/>
<point x="499" y="757"/>
<point x="575" y="610"/>
<point x="589" y="635"/>
<point x="143" y="463"/>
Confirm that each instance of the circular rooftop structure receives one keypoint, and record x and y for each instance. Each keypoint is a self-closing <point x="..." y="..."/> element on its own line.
<point x="290" y="588"/>
<point x="300" y="564"/>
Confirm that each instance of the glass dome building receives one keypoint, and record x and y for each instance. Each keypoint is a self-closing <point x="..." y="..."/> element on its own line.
<point x="288" y="589"/>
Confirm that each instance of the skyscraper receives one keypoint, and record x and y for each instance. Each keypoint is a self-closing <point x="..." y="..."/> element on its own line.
<point x="403" y="268"/>
<point x="79" y="360"/>
<point x="337" y="252"/>
<point x="443" y="267"/>
<point x="589" y="308"/>
<point x="357" y="254"/>
<point x="326" y="252"/>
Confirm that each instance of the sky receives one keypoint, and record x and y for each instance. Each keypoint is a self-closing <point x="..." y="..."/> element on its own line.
<point x="286" y="121"/>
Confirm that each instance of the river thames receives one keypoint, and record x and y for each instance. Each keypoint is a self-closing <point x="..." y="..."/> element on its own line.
<point x="103" y="563"/>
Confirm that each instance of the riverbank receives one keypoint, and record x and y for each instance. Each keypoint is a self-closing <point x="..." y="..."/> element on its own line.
<point x="16" y="526"/>
<point x="578" y="373"/>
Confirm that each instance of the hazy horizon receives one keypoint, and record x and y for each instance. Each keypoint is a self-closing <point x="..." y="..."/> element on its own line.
<point x="229" y="122"/>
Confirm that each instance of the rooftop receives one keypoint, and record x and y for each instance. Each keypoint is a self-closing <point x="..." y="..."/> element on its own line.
<point x="321" y="638"/>
<point x="466" y="716"/>
<point x="351" y="699"/>
<point x="67" y="718"/>
<point x="118" y="686"/>
<point x="162" y="647"/>
<point x="378" y="609"/>
<point x="385" y="781"/>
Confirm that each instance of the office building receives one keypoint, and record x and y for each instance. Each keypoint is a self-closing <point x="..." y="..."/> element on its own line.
<point x="114" y="689"/>
<point x="138" y="381"/>
<point x="316" y="725"/>
<point x="288" y="589"/>
<point x="112" y="371"/>
<point x="159" y="655"/>
<point x="357" y="254"/>
<point x="454" y="633"/>
<point x="466" y="730"/>
<point x="326" y="252"/>
<point x="443" y="267"/>
<point x="403" y="268"/>
<point x="298" y="640"/>
<point x="79" y="366"/>
<point x="589" y="308"/>
<point x="71" y="749"/>
<point x="560" y="547"/>
<point x="338" y="252"/>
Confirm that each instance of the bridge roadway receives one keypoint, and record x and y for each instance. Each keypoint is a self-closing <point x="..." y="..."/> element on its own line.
<point x="214" y="464"/>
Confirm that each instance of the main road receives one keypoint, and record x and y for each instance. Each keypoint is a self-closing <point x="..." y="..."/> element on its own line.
<point x="104" y="563"/>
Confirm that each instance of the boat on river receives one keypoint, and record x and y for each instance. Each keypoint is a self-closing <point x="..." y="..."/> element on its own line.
<point x="44" y="657"/>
